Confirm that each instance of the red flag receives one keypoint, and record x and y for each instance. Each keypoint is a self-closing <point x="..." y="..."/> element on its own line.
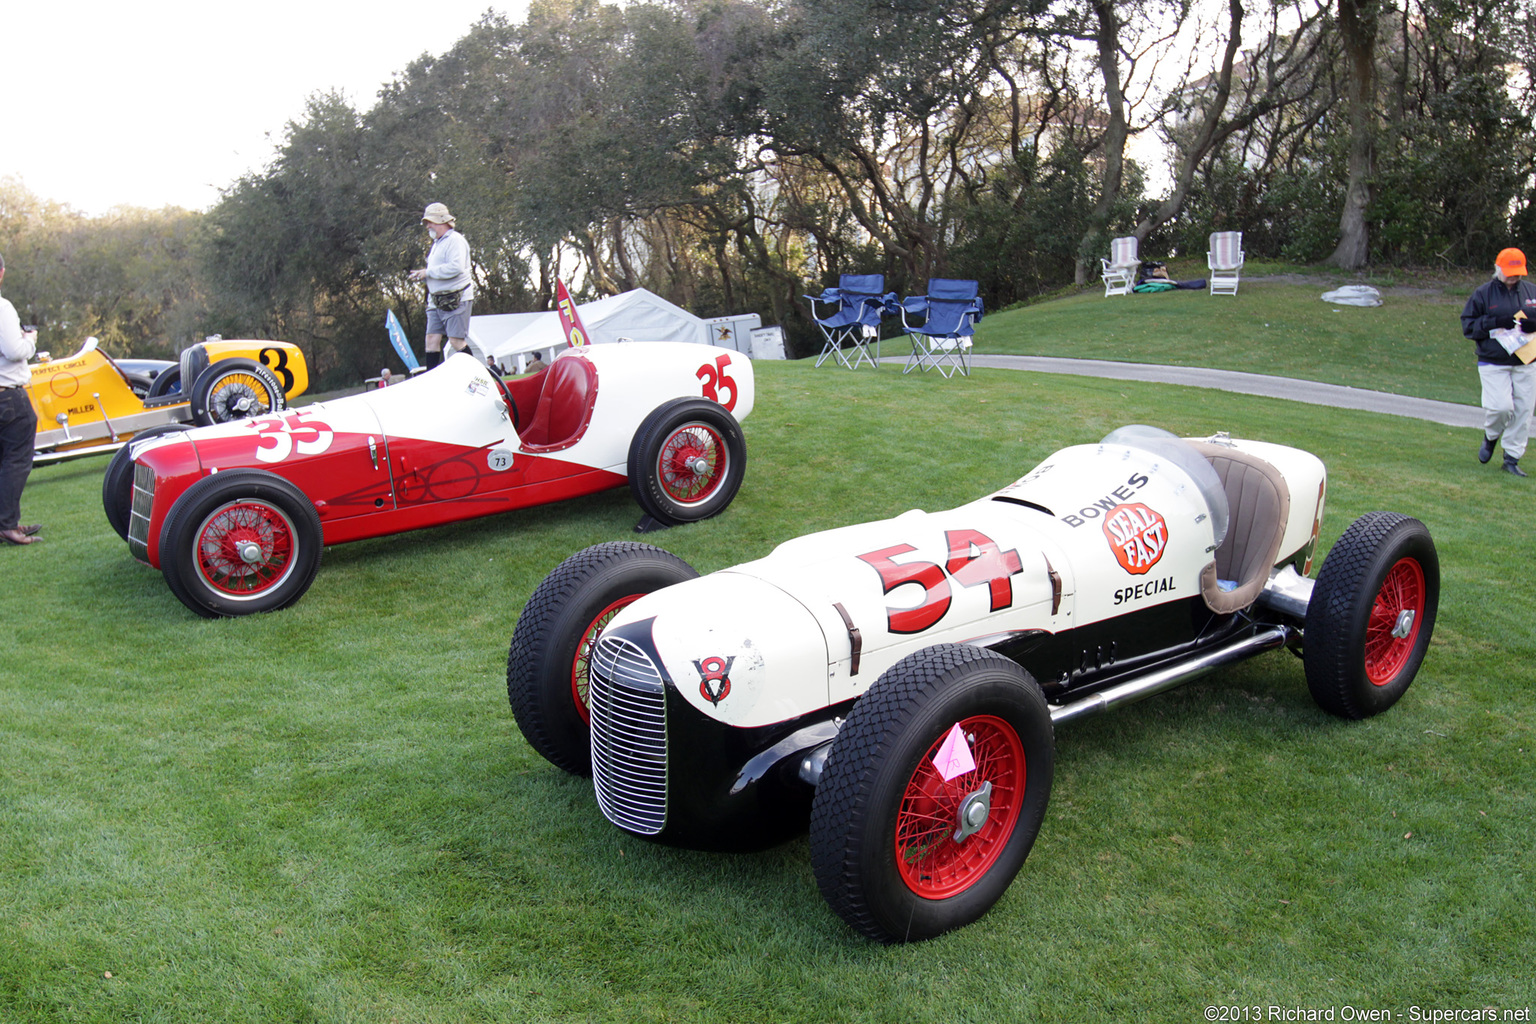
<point x="570" y="320"/>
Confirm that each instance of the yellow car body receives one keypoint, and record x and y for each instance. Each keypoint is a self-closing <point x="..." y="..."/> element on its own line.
<point x="86" y="404"/>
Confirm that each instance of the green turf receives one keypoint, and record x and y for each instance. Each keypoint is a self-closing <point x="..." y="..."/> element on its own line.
<point x="327" y="814"/>
<point x="1411" y="344"/>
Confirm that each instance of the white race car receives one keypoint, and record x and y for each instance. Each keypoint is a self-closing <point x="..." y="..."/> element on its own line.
<point x="900" y="680"/>
<point x="235" y="515"/>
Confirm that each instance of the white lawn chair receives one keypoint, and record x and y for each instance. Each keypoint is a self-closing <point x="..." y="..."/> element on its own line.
<point x="1225" y="258"/>
<point x="1120" y="268"/>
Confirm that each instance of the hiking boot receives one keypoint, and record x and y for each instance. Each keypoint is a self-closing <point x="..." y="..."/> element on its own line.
<point x="1486" y="451"/>
<point x="1513" y="466"/>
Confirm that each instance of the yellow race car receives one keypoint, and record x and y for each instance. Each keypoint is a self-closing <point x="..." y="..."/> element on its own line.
<point x="87" y="404"/>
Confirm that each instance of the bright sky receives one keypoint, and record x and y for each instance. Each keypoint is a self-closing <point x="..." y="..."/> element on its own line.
<point x="163" y="103"/>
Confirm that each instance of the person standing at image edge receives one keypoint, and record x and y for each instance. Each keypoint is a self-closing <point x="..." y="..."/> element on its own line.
<point x="450" y="290"/>
<point x="1509" y="385"/>
<point x="18" y="421"/>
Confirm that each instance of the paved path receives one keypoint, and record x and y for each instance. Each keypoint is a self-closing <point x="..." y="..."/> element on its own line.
<point x="1308" y="391"/>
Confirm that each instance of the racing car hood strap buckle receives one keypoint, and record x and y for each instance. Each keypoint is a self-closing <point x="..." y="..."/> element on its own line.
<point x="855" y="639"/>
<point x="1055" y="576"/>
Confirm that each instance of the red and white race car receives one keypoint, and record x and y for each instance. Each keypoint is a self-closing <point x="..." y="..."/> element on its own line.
<point x="898" y="682"/>
<point x="235" y="515"/>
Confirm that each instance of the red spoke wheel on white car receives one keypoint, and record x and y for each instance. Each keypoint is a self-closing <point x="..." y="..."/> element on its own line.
<point x="686" y="461"/>
<point x="548" y="661"/>
<point x="117" y="482"/>
<point x="1371" y="614"/>
<point x="238" y="542"/>
<point x="234" y="389"/>
<point x="903" y="853"/>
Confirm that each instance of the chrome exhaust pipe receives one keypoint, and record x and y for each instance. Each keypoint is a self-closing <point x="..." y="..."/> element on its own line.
<point x="1159" y="680"/>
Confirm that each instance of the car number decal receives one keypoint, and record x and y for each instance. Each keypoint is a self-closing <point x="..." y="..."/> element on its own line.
<point x="1137" y="535"/>
<point x="715" y="377"/>
<point x="500" y="459"/>
<point x="974" y="560"/>
<point x="276" y="360"/>
<point x="292" y="432"/>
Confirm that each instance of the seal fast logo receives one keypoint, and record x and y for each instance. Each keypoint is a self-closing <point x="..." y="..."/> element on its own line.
<point x="714" y="678"/>
<point x="1137" y="535"/>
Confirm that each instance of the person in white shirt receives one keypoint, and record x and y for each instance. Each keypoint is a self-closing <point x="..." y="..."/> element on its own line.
<point x="450" y="289"/>
<point x="18" y="421"/>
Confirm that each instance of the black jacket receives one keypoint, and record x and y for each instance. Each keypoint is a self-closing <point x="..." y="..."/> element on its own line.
<point x="1483" y="311"/>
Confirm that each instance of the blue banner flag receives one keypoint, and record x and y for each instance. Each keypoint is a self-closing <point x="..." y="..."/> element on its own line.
<point x="397" y="339"/>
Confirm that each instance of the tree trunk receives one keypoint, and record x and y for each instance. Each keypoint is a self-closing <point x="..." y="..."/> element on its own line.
<point x="1357" y="31"/>
<point x="1116" y="132"/>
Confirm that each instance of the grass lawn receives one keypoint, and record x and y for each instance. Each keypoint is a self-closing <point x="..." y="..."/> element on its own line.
<point x="1276" y="324"/>
<point x="327" y="814"/>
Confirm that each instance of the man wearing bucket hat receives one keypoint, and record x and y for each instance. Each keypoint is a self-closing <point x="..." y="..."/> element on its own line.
<point x="450" y="290"/>
<point x="1500" y="318"/>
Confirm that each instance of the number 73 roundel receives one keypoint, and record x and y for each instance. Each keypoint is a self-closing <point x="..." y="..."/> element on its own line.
<point x="974" y="560"/>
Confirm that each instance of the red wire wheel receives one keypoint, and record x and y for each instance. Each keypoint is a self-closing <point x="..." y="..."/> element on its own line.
<point x="693" y="462"/>
<point x="686" y="461"/>
<point x="581" y="665"/>
<point x="245" y="548"/>
<point x="1371" y="615"/>
<point x="240" y="541"/>
<point x="931" y="862"/>
<point x="1390" y="636"/>
<point x="885" y="822"/>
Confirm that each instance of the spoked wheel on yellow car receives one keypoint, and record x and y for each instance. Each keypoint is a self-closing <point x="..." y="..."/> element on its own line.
<point x="238" y="542"/>
<point x="234" y="389"/>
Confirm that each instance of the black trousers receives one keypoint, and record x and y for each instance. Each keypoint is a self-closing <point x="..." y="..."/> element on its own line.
<point x="18" y="432"/>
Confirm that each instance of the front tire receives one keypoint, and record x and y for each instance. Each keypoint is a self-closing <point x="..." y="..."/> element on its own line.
<point x="1371" y="615"/>
<point x="239" y="542"/>
<point x="117" y="482"/>
<point x="234" y="389"/>
<point x="884" y="820"/>
<point x="547" y="664"/>
<point x="686" y="461"/>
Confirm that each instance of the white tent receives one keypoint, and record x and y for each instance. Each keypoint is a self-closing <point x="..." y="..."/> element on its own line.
<point x="637" y="315"/>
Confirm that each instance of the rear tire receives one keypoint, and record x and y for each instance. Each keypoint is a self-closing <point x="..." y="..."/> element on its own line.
<point x="553" y="640"/>
<point x="884" y="819"/>
<point x="234" y="389"/>
<point x="1371" y="615"/>
<point x="686" y="461"/>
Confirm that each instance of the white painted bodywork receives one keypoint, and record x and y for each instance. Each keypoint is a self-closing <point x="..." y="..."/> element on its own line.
<point x="1123" y="529"/>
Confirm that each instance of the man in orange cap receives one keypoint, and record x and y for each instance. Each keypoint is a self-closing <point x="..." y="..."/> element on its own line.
<point x="1500" y="318"/>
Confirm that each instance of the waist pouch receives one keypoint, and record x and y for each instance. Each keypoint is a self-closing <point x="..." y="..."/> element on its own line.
<point x="446" y="301"/>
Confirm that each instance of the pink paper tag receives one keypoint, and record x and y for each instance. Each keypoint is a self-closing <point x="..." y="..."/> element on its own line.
<point x="954" y="757"/>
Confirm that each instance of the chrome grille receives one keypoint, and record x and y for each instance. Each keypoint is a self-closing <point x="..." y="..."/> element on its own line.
<point x="627" y="702"/>
<point x="138" y="515"/>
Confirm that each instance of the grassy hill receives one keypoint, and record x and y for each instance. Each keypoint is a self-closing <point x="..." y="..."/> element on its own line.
<point x="328" y="815"/>
<point x="1277" y="324"/>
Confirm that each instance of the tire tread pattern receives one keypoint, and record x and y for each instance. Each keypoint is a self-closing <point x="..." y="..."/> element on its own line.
<point x="535" y="634"/>
<point x="862" y="746"/>
<point x="1332" y="653"/>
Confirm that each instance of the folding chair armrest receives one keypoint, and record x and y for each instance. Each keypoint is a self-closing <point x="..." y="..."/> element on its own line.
<point x="913" y="304"/>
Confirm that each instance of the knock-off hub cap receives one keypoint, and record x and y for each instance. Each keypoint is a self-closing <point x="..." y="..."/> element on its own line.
<point x="973" y="813"/>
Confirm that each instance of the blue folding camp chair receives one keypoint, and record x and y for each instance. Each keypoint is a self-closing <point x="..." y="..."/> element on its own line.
<point x="943" y="340"/>
<point x="856" y="320"/>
